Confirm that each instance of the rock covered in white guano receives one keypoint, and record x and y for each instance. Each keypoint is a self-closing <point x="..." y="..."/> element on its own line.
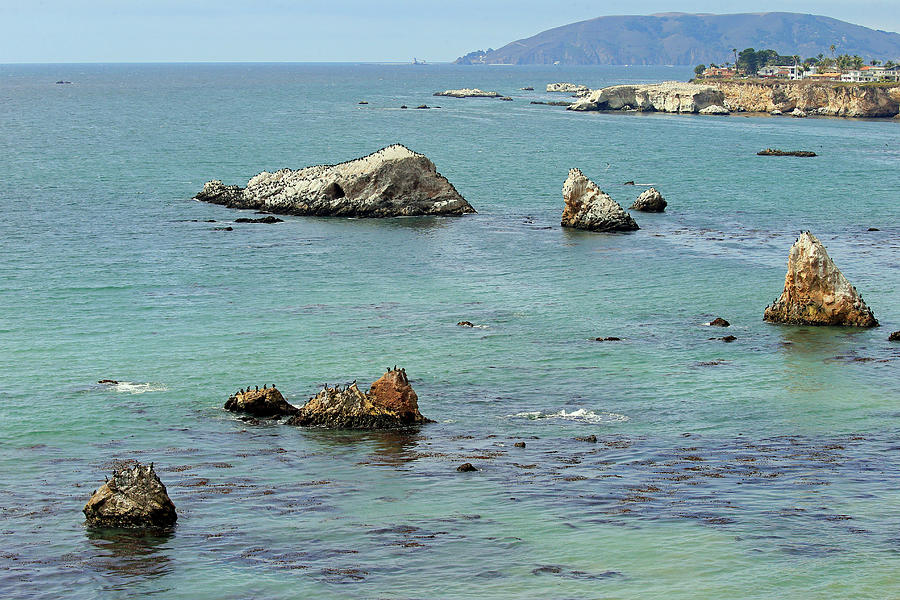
<point x="715" y="109"/>
<point x="567" y="88"/>
<point x="816" y="292"/>
<point x="589" y="207"/>
<point x="133" y="498"/>
<point x="469" y="93"/>
<point x="395" y="181"/>
<point x="670" y="96"/>
<point x="650" y="201"/>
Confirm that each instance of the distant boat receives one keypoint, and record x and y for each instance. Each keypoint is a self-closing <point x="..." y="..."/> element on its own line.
<point x="418" y="62"/>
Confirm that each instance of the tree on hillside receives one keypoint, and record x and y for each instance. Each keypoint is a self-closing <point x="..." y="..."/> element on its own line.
<point x="874" y="62"/>
<point x="698" y="70"/>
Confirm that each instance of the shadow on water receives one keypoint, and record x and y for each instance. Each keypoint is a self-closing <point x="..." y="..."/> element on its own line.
<point x="390" y="447"/>
<point x="122" y="555"/>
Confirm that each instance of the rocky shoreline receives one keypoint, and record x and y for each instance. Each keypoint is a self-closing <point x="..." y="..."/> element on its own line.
<point x="721" y="97"/>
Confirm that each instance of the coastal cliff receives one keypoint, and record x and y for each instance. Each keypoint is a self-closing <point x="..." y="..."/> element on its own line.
<point x="670" y="96"/>
<point x="821" y="98"/>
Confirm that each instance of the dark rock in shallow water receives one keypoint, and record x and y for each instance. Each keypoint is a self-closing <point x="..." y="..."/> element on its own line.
<point x="466" y="468"/>
<point x="727" y="338"/>
<point x="466" y="324"/>
<point x="873" y="229"/>
<point x="265" y="403"/>
<point x="590" y="438"/>
<point x="894" y="337"/>
<point x="133" y="498"/>
<point x="390" y="403"/>
<point x="108" y="382"/>
<point x="519" y="444"/>
<point x="719" y="322"/>
<point x="608" y="339"/>
<point x="395" y="181"/>
<point x="267" y="220"/>
<point x="773" y="152"/>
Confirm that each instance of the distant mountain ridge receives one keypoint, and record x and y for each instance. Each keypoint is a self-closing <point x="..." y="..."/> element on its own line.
<point x="690" y="39"/>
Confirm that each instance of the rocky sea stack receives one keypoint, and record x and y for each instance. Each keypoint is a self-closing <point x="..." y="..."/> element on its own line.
<point x="589" y="207"/>
<point x="265" y="403"/>
<point x="650" y="201"/>
<point x="816" y="292"/>
<point x="468" y="93"/>
<point x="393" y="182"/>
<point x="134" y="498"/>
<point x="390" y="403"/>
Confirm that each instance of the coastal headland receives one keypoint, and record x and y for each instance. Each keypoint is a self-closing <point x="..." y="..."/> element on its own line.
<point x="795" y="98"/>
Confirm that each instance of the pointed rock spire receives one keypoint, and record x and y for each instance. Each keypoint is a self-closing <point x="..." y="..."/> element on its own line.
<point x="589" y="207"/>
<point x="816" y="292"/>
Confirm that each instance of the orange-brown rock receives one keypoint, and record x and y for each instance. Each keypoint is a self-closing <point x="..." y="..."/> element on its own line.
<point x="390" y="402"/>
<point x="816" y="292"/>
<point x="265" y="403"/>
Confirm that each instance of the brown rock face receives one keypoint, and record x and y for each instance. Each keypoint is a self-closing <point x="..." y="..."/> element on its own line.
<point x="391" y="402"/>
<point x="266" y="403"/>
<point x="589" y="207"/>
<point x="816" y="292"/>
<point x="133" y="498"/>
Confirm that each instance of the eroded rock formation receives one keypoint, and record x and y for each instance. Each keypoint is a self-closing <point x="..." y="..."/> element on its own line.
<point x="390" y="402"/>
<point x="818" y="98"/>
<point x="816" y="292"/>
<point x="133" y="498"/>
<point x="395" y="181"/>
<point x="650" y="201"/>
<point x="589" y="207"/>
<point x="671" y="96"/>
<point x="264" y="403"/>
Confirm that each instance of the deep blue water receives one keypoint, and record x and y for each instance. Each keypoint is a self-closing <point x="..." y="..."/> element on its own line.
<point x="761" y="468"/>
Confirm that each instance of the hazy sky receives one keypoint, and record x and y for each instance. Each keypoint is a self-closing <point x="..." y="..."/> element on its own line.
<point x="336" y="30"/>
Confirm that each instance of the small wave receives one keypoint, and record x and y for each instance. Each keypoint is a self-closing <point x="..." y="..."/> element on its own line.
<point x="582" y="415"/>
<point x="128" y="387"/>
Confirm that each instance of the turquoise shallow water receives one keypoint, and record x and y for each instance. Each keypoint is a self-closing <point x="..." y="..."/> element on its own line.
<point x="765" y="467"/>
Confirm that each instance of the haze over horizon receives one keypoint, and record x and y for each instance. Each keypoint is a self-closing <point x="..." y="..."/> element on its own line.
<point x="49" y="31"/>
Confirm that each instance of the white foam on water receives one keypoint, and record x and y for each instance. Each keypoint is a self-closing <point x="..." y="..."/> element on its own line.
<point x="582" y="415"/>
<point x="128" y="387"/>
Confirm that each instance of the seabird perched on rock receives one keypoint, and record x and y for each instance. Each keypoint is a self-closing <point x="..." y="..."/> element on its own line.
<point x="257" y="388"/>
<point x="242" y="390"/>
<point x="273" y="386"/>
<point x="264" y="386"/>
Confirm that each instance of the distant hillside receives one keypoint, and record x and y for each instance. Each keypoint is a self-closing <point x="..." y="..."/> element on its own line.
<point x="685" y="39"/>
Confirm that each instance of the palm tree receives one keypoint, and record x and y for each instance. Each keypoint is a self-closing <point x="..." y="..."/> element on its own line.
<point x="832" y="48"/>
<point x="734" y="50"/>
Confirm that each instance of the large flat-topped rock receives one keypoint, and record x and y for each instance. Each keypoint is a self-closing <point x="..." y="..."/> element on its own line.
<point x="395" y="181"/>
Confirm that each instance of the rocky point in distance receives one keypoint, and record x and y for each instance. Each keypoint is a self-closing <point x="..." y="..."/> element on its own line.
<point x="392" y="182"/>
<point x="816" y="292"/>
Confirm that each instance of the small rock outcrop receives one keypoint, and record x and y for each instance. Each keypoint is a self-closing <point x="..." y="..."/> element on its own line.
<point x="395" y="181"/>
<point x="469" y="93"/>
<point x="567" y="88"/>
<point x="265" y="403"/>
<point x="466" y="468"/>
<point x="715" y="109"/>
<point x="134" y="498"/>
<point x="650" y="201"/>
<point x="894" y="337"/>
<point x="390" y="402"/>
<point x="589" y="207"/>
<point x="718" y="322"/>
<point x="816" y="292"/>
<point x="774" y="152"/>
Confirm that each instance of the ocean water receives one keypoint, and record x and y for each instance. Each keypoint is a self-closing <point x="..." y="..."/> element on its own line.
<point x="767" y="467"/>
